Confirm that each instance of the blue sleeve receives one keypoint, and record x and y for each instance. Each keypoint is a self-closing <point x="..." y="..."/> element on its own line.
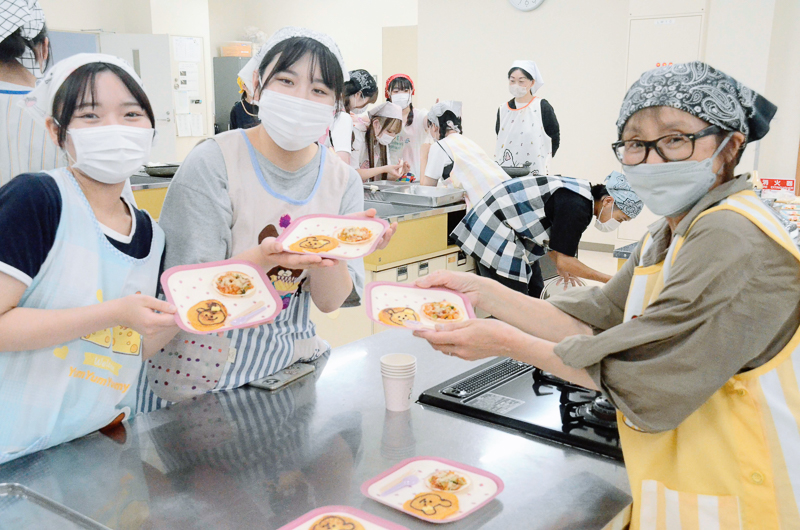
<point x="30" y="211"/>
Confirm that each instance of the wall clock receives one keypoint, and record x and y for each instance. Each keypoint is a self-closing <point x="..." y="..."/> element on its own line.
<point x="526" y="5"/>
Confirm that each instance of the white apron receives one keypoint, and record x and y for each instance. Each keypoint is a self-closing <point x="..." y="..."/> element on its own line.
<point x="522" y="138"/>
<point x="237" y="357"/>
<point x="53" y="395"/>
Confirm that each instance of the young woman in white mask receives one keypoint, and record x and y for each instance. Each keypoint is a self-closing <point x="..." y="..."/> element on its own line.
<point x="24" y="55"/>
<point x="79" y="264"/>
<point x="695" y="340"/>
<point x="234" y="194"/>
<point x="407" y="146"/>
<point x="527" y="128"/>
<point x="360" y="91"/>
<point x="371" y="141"/>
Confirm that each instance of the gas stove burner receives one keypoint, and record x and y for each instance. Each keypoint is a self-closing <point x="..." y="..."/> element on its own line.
<point x="599" y="412"/>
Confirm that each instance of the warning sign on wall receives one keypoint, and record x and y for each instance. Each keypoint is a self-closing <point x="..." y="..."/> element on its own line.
<point x="778" y="184"/>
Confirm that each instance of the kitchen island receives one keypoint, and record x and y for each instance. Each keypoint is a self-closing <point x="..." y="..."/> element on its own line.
<point x="256" y="459"/>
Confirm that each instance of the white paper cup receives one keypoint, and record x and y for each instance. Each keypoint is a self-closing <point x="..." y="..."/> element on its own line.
<point x="398" y="371"/>
<point x="397" y="391"/>
<point x="397" y="361"/>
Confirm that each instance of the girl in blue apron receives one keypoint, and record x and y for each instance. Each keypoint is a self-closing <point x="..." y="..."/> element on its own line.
<point x="232" y="197"/>
<point x="78" y="264"/>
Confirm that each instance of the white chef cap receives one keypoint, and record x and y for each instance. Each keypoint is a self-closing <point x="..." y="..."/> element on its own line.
<point x="532" y="70"/>
<point x="40" y="100"/>
<point x="246" y="73"/>
<point x="441" y="107"/>
<point x="386" y="110"/>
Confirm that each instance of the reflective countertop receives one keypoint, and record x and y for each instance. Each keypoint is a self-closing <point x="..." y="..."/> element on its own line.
<point x="255" y="459"/>
<point x="402" y="212"/>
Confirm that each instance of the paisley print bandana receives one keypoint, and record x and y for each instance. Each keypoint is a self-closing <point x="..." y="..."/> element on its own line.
<point x="702" y="91"/>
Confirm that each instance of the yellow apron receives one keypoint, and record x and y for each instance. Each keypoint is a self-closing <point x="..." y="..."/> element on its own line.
<point x="735" y="462"/>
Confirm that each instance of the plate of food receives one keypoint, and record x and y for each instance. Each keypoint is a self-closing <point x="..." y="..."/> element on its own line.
<point x="340" y="518"/>
<point x="434" y="489"/>
<point x="219" y="296"/>
<point x="395" y="304"/>
<point x="333" y="236"/>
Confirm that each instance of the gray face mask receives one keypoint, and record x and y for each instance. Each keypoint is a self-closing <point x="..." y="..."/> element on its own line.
<point x="672" y="188"/>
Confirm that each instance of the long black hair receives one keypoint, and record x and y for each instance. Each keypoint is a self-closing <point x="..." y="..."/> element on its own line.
<point x="79" y="89"/>
<point x="401" y="83"/>
<point x="292" y="50"/>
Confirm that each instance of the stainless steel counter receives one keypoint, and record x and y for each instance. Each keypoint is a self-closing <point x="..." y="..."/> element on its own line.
<point x="144" y="181"/>
<point x="254" y="459"/>
<point x="401" y="212"/>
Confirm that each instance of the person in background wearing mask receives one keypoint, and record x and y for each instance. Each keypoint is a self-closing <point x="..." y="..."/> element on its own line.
<point x="527" y="128"/>
<point x="708" y="402"/>
<point x="79" y="264"/>
<point x="507" y="241"/>
<point x="244" y="113"/>
<point x="370" y="143"/>
<point x="236" y="192"/>
<point x="407" y="146"/>
<point x="455" y="160"/>
<point x="24" y="55"/>
<point x="361" y="90"/>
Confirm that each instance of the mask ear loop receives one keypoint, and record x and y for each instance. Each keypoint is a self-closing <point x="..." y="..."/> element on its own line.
<point x="719" y="150"/>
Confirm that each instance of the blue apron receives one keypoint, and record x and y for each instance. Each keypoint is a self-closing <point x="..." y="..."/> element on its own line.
<point x="53" y="395"/>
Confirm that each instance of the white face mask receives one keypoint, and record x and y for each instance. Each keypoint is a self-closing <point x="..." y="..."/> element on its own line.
<point x="517" y="91"/>
<point x="293" y="123"/>
<point x="610" y="225"/>
<point x="385" y="138"/>
<point x="672" y="188"/>
<point x="402" y="99"/>
<point x="111" y="153"/>
<point x="360" y="111"/>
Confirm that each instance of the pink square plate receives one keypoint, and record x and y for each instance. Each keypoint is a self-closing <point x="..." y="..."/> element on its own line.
<point x="480" y="489"/>
<point x="309" y="228"/>
<point x="406" y="302"/>
<point x="186" y="286"/>
<point x="315" y="520"/>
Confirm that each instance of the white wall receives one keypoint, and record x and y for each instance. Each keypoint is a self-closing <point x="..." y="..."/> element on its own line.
<point x="580" y="47"/>
<point x="779" y="149"/>
<point x="355" y="25"/>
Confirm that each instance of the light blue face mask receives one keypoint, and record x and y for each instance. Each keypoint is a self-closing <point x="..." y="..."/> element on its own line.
<point x="672" y="188"/>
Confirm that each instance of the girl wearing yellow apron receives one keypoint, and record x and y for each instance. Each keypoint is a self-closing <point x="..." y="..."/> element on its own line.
<point x="695" y="340"/>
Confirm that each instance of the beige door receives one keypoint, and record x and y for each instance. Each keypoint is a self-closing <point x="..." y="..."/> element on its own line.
<point x="399" y="52"/>
<point x="655" y="42"/>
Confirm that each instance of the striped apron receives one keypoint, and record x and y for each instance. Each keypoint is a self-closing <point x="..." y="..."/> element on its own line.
<point x="473" y="170"/>
<point x="735" y="462"/>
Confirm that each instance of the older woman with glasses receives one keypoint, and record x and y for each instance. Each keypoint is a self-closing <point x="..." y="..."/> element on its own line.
<point x="695" y="341"/>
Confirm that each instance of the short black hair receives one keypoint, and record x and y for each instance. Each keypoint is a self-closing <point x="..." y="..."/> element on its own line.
<point x="13" y="47"/>
<point x="292" y="50"/>
<point x="599" y="191"/>
<point x="80" y="86"/>
<point x="523" y="72"/>
<point x="448" y="115"/>
<point x="401" y="83"/>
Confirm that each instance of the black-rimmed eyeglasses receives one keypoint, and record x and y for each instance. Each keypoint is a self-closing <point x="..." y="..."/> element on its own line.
<point x="671" y="148"/>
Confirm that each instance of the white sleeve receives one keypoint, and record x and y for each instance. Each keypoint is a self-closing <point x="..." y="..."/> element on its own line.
<point x="341" y="133"/>
<point x="437" y="160"/>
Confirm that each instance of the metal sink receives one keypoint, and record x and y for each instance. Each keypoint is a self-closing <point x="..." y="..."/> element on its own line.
<point x="411" y="194"/>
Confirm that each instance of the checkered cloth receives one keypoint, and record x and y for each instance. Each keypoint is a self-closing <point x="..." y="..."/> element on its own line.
<point x="25" y="14"/>
<point x="507" y="230"/>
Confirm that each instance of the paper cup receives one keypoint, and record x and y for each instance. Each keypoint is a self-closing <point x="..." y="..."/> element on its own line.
<point x="398" y="361"/>
<point x="398" y="391"/>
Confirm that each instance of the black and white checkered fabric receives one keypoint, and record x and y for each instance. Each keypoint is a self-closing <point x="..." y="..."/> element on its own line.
<point x="25" y="14"/>
<point x="507" y="230"/>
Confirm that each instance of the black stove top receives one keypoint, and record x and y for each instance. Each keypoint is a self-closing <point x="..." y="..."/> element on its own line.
<point x="517" y="395"/>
